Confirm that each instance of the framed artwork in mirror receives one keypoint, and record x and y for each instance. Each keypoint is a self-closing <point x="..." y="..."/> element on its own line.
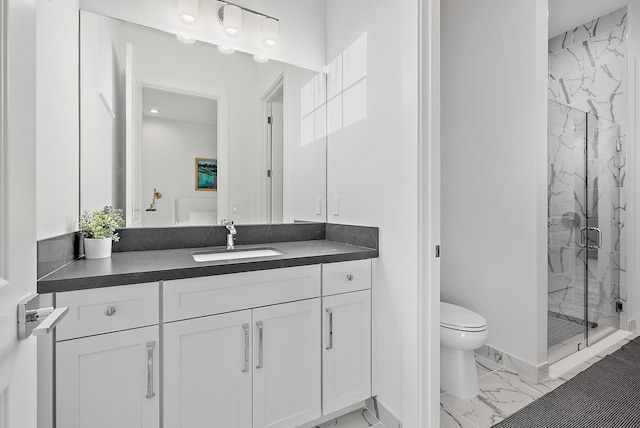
<point x="206" y="174"/>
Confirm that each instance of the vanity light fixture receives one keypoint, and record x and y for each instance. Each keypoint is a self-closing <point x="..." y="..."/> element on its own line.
<point x="226" y="50"/>
<point x="186" y="39"/>
<point x="230" y="17"/>
<point x="269" y="31"/>
<point x="260" y="58"/>
<point x="188" y="10"/>
<point x="154" y="110"/>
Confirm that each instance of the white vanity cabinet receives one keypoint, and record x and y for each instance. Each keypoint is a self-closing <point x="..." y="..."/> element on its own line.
<point x="208" y="371"/>
<point x="276" y="348"/>
<point x="286" y="355"/>
<point x="257" y="367"/>
<point x="346" y="339"/>
<point x="107" y="378"/>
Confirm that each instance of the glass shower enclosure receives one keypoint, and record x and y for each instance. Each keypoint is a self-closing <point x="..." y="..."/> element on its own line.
<point x="587" y="253"/>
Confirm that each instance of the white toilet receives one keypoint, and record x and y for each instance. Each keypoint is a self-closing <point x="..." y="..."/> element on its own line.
<point x="461" y="331"/>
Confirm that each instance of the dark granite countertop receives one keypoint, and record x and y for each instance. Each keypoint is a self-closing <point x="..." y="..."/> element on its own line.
<point x="150" y="266"/>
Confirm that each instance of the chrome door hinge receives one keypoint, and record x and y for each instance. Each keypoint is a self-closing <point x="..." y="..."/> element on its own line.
<point x="269" y="173"/>
<point x="437" y="251"/>
<point x="270" y="120"/>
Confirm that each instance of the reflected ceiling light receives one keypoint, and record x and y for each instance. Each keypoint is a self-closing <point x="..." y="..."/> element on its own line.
<point x="269" y="31"/>
<point x="186" y="39"/>
<point x="188" y="10"/>
<point x="226" y="50"/>
<point x="154" y="110"/>
<point x="230" y="16"/>
<point x="260" y="58"/>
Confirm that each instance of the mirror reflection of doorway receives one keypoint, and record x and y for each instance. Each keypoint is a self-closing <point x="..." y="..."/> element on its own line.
<point x="275" y="156"/>
<point x="272" y="152"/>
<point x="177" y="128"/>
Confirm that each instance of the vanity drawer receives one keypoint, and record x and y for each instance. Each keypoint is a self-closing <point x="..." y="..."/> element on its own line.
<point x="104" y="310"/>
<point x="344" y="277"/>
<point x="195" y="297"/>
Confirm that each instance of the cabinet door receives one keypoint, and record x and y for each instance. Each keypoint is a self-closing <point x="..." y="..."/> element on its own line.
<point x="109" y="380"/>
<point x="346" y="371"/>
<point x="286" y="356"/>
<point x="207" y="372"/>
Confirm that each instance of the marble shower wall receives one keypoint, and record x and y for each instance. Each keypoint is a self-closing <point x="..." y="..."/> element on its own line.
<point x="588" y="73"/>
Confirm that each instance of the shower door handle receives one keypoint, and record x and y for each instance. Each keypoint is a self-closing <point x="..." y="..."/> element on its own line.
<point x="584" y="238"/>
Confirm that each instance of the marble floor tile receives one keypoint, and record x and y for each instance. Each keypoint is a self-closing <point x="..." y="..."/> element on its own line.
<point x="361" y="418"/>
<point x="543" y="387"/>
<point x="499" y="397"/>
<point x="452" y="419"/>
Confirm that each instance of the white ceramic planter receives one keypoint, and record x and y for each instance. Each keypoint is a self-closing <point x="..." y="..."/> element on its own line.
<point x="97" y="248"/>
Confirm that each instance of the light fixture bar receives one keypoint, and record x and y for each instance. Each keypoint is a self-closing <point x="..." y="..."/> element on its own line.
<point x="247" y="10"/>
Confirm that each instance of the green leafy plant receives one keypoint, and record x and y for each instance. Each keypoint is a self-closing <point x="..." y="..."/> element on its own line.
<point x="101" y="224"/>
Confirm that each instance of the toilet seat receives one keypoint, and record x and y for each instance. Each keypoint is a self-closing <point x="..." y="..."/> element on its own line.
<point x="458" y="318"/>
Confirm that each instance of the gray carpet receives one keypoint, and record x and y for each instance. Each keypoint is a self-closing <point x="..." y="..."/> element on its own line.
<point x="606" y="395"/>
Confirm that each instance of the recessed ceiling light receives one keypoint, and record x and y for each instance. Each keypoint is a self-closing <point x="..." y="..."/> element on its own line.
<point x="226" y="50"/>
<point x="186" y="39"/>
<point x="154" y="111"/>
<point x="260" y="58"/>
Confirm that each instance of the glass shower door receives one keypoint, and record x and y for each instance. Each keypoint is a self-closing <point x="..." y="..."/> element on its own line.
<point x="586" y="242"/>
<point x="603" y="236"/>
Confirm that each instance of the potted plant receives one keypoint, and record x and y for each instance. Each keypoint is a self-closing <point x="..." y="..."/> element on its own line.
<point x="99" y="229"/>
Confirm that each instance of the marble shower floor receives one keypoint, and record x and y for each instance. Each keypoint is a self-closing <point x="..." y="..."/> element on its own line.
<point x="503" y="392"/>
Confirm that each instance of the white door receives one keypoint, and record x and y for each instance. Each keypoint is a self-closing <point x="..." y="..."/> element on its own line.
<point x="109" y="380"/>
<point x="17" y="209"/>
<point x="346" y="347"/>
<point x="277" y="158"/>
<point x="286" y="359"/>
<point x="207" y="372"/>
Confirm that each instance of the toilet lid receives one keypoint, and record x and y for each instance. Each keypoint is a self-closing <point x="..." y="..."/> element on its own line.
<point x="459" y="318"/>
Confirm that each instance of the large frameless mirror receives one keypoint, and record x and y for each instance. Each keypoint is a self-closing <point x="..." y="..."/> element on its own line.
<point x="183" y="134"/>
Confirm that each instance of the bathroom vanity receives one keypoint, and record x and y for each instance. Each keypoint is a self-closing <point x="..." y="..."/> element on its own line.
<point x="154" y="338"/>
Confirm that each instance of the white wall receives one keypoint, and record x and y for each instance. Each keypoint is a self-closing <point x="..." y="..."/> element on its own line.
<point x="57" y="112"/>
<point x="494" y="86"/>
<point x="169" y="150"/>
<point x="372" y="167"/>
<point x="302" y="25"/>
<point x="102" y="134"/>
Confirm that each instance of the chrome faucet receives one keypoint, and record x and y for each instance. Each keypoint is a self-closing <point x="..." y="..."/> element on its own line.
<point x="231" y="235"/>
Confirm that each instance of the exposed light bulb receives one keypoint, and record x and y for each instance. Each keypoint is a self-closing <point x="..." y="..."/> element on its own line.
<point x="260" y="58"/>
<point x="154" y="111"/>
<point x="226" y="50"/>
<point x="186" y="39"/>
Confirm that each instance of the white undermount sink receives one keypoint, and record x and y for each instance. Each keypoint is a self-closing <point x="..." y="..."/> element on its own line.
<point x="219" y="255"/>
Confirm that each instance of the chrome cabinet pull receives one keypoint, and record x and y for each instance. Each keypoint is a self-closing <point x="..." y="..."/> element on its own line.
<point x="330" y="312"/>
<point x="349" y="277"/>
<point x="260" y="344"/>
<point x="150" y="346"/>
<point x="111" y="310"/>
<point x="245" y="327"/>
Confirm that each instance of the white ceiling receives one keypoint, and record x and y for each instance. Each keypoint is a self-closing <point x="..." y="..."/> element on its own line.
<point x="568" y="14"/>
<point x="179" y="106"/>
